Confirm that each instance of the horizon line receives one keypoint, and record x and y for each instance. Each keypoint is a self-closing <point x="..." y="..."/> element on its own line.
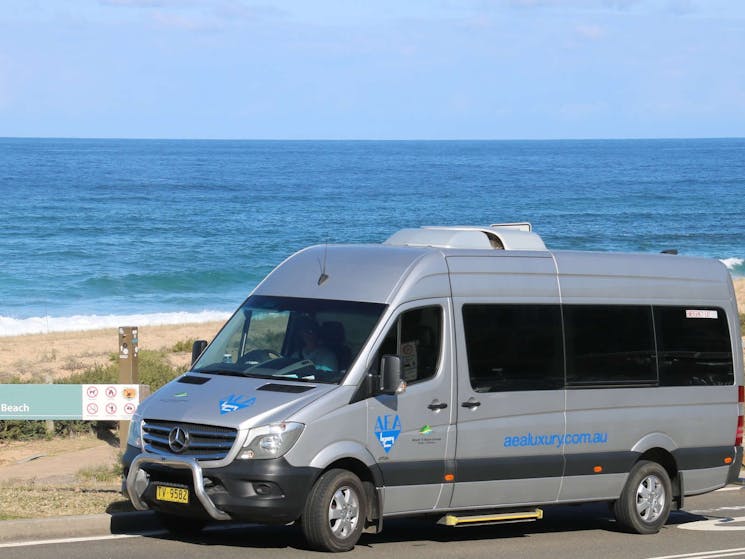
<point x="527" y="139"/>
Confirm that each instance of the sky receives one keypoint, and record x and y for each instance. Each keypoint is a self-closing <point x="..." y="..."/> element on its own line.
<point x="363" y="69"/>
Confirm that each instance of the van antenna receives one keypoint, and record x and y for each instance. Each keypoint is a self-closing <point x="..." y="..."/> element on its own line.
<point x="324" y="276"/>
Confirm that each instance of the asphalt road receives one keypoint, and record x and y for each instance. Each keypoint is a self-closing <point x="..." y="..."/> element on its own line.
<point x="712" y="526"/>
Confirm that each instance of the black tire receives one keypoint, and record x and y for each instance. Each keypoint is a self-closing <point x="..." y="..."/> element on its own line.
<point x="182" y="526"/>
<point x="335" y="512"/>
<point x="644" y="504"/>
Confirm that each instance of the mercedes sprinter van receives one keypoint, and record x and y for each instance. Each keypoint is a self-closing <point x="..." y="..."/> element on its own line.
<point x="464" y="372"/>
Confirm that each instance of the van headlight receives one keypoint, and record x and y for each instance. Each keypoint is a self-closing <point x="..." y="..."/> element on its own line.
<point x="134" y="438"/>
<point x="270" y="441"/>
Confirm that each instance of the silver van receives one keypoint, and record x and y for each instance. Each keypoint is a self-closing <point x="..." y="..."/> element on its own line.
<point x="463" y="372"/>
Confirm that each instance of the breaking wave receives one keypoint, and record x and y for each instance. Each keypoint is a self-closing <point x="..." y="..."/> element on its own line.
<point x="45" y="324"/>
<point x="735" y="265"/>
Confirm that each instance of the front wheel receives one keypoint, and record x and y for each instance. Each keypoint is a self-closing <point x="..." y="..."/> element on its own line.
<point x="335" y="512"/>
<point x="644" y="504"/>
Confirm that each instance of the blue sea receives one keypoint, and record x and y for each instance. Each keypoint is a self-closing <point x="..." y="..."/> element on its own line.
<point x="98" y="233"/>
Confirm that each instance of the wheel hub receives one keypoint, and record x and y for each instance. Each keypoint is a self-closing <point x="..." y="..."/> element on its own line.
<point x="650" y="498"/>
<point x="343" y="512"/>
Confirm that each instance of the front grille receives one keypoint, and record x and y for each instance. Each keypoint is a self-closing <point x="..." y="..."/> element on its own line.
<point x="205" y="442"/>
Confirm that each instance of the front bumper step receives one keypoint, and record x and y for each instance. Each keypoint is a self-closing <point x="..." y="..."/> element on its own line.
<point x="502" y="517"/>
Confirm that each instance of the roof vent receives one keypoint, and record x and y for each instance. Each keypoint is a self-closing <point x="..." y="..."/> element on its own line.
<point x="506" y="236"/>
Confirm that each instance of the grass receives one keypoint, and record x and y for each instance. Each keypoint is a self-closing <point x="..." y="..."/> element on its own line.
<point x="95" y="490"/>
<point x="183" y="346"/>
<point x="101" y="474"/>
<point x="154" y="370"/>
<point x="32" y="500"/>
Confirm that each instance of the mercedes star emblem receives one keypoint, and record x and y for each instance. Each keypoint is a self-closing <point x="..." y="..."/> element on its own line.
<point x="178" y="439"/>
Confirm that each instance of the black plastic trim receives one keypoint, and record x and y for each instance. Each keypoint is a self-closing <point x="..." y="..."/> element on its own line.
<point x="610" y="462"/>
<point x="289" y="388"/>
<point x="734" y="470"/>
<point x="233" y="489"/>
<point x="702" y="458"/>
<point x="191" y="379"/>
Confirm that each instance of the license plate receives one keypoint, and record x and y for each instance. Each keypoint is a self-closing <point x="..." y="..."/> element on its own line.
<point x="172" y="494"/>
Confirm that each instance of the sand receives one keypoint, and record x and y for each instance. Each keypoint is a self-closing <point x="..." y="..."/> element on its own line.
<point x="740" y="293"/>
<point x="42" y="357"/>
<point x="39" y="357"/>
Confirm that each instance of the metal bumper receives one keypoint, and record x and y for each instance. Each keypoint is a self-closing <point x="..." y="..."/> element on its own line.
<point x="137" y="480"/>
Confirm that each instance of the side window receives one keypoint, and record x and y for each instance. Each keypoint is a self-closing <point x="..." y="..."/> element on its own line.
<point x="514" y="347"/>
<point x="610" y="345"/>
<point x="417" y="338"/>
<point x="695" y="347"/>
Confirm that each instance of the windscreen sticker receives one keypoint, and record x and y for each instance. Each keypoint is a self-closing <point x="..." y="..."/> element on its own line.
<point x="409" y="361"/>
<point x="234" y="403"/>
<point x="387" y="430"/>
<point x="556" y="439"/>
<point x="697" y="313"/>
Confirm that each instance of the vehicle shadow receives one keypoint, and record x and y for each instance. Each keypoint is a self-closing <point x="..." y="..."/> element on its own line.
<point x="563" y="518"/>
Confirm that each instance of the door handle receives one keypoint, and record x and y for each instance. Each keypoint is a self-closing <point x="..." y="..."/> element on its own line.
<point x="471" y="403"/>
<point x="437" y="405"/>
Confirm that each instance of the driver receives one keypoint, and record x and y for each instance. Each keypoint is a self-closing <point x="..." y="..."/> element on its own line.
<point x="312" y="347"/>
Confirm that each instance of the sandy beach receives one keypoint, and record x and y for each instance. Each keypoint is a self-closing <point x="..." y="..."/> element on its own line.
<point x="38" y="357"/>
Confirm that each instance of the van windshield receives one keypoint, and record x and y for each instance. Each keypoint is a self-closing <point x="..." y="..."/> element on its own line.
<point x="313" y="340"/>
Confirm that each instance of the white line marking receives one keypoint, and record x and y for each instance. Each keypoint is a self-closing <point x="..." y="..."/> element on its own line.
<point x="706" y="554"/>
<point x="716" y="555"/>
<point x="216" y="528"/>
<point x="730" y="524"/>
<point x="76" y="540"/>
<point x="718" y="509"/>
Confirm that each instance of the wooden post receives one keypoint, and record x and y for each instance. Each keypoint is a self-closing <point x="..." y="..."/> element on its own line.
<point x="49" y="423"/>
<point x="128" y="369"/>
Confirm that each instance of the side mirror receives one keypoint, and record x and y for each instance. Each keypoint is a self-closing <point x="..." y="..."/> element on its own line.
<point x="197" y="349"/>
<point x="390" y="375"/>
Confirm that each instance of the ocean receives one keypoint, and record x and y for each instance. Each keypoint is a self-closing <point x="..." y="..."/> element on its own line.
<point x="99" y="233"/>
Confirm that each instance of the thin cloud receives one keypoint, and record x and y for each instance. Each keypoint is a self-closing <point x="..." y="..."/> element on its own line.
<point x="582" y="5"/>
<point x="681" y="7"/>
<point x="574" y="111"/>
<point x="590" y="32"/>
<point x="144" y="3"/>
<point x="186" y="13"/>
<point x="184" y="22"/>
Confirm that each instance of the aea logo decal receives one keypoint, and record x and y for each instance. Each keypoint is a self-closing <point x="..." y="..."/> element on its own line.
<point x="387" y="430"/>
<point x="234" y="403"/>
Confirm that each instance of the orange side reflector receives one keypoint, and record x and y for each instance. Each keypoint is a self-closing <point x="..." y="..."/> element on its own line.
<point x="449" y="477"/>
<point x="728" y="460"/>
<point x="597" y="469"/>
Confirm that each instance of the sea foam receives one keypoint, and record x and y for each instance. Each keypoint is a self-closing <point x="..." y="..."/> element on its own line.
<point x="45" y="324"/>
<point x="734" y="264"/>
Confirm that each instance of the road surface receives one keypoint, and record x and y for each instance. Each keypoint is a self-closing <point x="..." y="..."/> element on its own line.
<point x="712" y="526"/>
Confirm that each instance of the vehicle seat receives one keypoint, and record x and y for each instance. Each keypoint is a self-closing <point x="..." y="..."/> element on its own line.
<point x="332" y="334"/>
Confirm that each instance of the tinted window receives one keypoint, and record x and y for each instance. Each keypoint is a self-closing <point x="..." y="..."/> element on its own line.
<point x="695" y="346"/>
<point x="514" y="347"/>
<point x="417" y="338"/>
<point x="306" y="339"/>
<point x="610" y="344"/>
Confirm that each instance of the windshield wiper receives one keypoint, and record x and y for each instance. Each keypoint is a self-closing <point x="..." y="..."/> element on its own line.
<point x="215" y="370"/>
<point x="220" y="370"/>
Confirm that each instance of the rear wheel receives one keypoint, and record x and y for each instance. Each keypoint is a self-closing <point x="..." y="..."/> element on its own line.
<point x="335" y="512"/>
<point x="644" y="504"/>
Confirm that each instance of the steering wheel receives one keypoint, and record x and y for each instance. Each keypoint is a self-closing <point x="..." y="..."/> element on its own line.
<point x="256" y="356"/>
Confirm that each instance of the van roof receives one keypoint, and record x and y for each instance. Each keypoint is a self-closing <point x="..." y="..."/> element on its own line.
<point x="422" y="263"/>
